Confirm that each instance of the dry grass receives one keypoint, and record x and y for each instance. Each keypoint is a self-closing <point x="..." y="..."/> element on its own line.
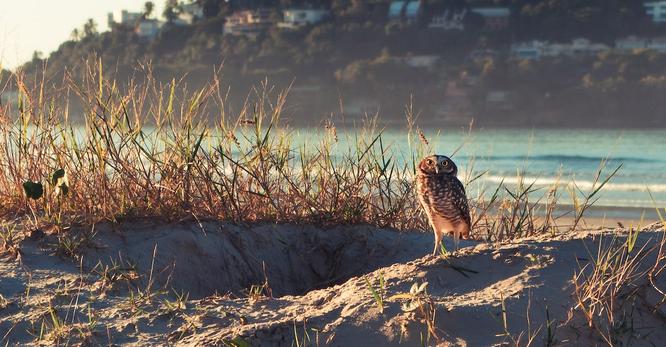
<point x="152" y="151"/>
<point x="157" y="150"/>
<point x="608" y="290"/>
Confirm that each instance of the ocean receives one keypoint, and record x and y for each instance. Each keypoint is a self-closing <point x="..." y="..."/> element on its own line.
<point x="542" y="156"/>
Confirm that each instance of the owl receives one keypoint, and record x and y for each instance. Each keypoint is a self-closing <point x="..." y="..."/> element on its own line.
<point x="443" y="198"/>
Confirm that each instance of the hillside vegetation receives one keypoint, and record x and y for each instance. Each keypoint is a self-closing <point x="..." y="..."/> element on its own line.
<point x="356" y="55"/>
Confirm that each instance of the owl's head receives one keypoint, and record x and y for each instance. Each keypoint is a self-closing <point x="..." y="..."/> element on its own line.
<point x="438" y="165"/>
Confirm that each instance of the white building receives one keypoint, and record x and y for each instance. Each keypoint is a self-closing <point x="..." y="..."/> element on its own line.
<point x="144" y="28"/>
<point x="532" y="50"/>
<point x="656" y="10"/>
<point x="452" y="20"/>
<point x="421" y="61"/>
<point x="189" y="14"/>
<point x="148" y="28"/>
<point x="495" y="18"/>
<point x="126" y="18"/>
<point x="583" y="47"/>
<point x="658" y="44"/>
<point x="556" y="50"/>
<point x="248" y="22"/>
<point x="395" y="9"/>
<point x="408" y="11"/>
<point x="296" y="18"/>
<point x="630" y="44"/>
<point x="536" y="50"/>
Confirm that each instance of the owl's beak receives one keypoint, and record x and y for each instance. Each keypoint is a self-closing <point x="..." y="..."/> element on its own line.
<point x="436" y="169"/>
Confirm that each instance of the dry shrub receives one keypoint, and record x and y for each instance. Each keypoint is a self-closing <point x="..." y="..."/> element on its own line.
<point x="148" y="149"/>
<point x="611" y="289"/>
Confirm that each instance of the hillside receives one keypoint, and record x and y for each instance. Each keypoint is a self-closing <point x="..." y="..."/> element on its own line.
<point x="371" y="63"/>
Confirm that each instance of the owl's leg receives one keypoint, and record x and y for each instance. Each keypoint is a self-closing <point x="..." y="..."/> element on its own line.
<point x="438" y="242"/>
<point x="456" y="240"/>
<point x="463" y="231"/>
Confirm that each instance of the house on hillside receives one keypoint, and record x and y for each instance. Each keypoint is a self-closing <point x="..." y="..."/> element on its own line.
<point x="495" y="18"/>
<point x="630" y="44"/>
<point x="296" y="18"/>
<point x="556" y="50"/>
<point x="407" y="11"/>
<point x="532" y="50"/>
<point x="189" y="13"/>
<point x="248" y="22"/>
<point x="421" y="61"/>
<point x="143" y="27"/>
<point x="148" y="28"/>
<point x="657" y="44"/>
<point x="656" y="10"/>
<point x="582" y="47"/>
<point x="535" y="50"/>
<point x="127" y="18"/>
<point x="449" y="20"/>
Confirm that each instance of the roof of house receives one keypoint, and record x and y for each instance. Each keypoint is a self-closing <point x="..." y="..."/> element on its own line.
<point x="492" y="11"/>
<point x="413" y="8"/>
<point x="395" y="9"/>
<point x="315" y="10"/>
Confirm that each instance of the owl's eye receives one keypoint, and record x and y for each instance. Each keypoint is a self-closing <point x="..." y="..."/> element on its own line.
<point x="446" y="163"/>
<point x="429" y="162"/>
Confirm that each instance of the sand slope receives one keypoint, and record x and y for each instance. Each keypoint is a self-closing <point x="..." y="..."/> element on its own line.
<point x="318" y="291"/>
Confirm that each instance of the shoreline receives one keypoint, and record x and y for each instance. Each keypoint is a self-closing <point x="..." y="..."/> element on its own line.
<point x="611" y="215"/>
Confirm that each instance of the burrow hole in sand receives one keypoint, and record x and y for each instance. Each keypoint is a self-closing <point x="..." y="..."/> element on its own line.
<point x="223" y="258"/>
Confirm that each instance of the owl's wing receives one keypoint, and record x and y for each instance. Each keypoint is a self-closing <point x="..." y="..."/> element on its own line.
<point x="457" y="204"/>
<point x="461" y="201"/>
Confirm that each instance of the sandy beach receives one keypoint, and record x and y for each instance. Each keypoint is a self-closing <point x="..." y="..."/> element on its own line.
<point x="213" y="283"/>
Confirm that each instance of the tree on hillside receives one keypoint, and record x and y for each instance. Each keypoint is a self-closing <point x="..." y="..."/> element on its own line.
<point x="148" y="8"/>
<point x="171" y="10"/>
<point x="89" y="28"/>
<point x="75" y="35"/>
<point x="212" y="8"/>
<point x="37" y="55"/>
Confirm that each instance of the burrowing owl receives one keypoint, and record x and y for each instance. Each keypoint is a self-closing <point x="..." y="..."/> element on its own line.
<point x="443" y="198"/>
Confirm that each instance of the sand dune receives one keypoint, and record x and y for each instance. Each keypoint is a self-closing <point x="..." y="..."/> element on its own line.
<point x="273" y="285"/>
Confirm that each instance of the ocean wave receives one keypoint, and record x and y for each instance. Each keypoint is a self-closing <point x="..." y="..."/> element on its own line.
<point x="582" y="184"/>
<point x="564" y="158"/>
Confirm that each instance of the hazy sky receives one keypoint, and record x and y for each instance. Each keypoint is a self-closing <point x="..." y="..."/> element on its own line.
<point x="41" y="25"/>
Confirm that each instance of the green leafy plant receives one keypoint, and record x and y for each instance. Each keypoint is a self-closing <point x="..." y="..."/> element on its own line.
<point x="378" y="292"/>
<point x="59" y="182"/>
<point x="33" y="190"/>
<point x="418" y="300"/>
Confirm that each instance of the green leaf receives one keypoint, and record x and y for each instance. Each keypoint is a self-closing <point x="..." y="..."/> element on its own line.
<point x="238" y="342"/>
<point x="34" y="190"/>
<point x="375" y="294"/>
<point x="57" y="176"/>
<point x="59" y="182"/>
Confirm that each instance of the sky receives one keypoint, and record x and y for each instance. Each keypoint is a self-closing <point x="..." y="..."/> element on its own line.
<point x="42" y="25"/>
